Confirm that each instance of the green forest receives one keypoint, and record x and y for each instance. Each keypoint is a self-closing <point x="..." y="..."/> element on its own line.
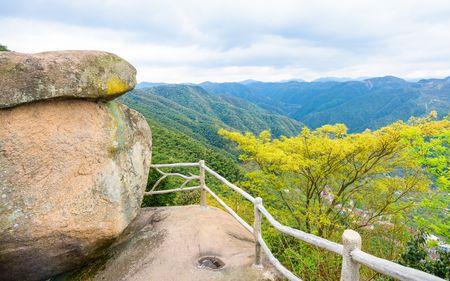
<point x="390" y="184"/>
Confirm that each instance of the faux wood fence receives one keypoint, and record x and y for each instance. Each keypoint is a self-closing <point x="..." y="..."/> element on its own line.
<point x="350" y="249"/>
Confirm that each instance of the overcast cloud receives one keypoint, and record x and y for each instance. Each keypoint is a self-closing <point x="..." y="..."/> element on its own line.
<point x="194" y="41"/>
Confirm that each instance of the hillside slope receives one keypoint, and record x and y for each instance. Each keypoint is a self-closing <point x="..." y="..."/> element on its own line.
<point x="199" y="114"/>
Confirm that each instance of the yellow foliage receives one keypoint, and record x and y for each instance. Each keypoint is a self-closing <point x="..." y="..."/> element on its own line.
<point x="336" y="178"/>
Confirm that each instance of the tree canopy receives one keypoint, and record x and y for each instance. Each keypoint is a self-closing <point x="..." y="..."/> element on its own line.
<point x="328" y="178"/>
<point x="433" y="152"/>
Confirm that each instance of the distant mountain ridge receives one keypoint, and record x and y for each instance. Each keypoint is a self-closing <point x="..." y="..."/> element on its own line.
<point x="339" y="79"/>
<point x="370" y="103"/>
<point x="142" y="85"/>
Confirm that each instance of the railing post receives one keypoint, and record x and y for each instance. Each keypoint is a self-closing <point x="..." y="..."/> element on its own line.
<point x="257" y="231"/>
<point x="350" y="269"/>
<point x="202" y="183"/>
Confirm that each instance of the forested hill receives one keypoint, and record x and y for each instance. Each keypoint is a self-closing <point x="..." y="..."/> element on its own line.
<point x="371" y="103"/>
<point x="199" y="114"/>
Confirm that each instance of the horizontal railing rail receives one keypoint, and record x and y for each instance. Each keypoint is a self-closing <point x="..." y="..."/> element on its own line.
<point x="305" y="237"/>
<point x="390" y="268"/>
<point x="350" y="250"/>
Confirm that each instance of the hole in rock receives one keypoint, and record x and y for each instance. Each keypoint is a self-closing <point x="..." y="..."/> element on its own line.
<point x="212" y="263"/>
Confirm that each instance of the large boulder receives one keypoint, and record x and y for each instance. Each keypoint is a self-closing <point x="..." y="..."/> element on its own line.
<point x="72" y="171"/>
<point x="91" y="75"/>
<point x="72" y="177"/>
<point x="167" y="243"/>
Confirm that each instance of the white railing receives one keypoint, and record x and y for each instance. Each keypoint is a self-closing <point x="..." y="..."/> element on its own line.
<point x="350" y="250"/>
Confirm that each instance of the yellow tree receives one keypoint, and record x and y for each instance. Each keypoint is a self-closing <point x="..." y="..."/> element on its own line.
<point x="327" y="178"/>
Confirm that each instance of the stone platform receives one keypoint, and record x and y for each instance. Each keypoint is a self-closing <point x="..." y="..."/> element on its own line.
<point x="166" y="243"/>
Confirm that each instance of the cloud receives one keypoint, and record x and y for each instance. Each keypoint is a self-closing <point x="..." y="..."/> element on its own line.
<point x="192" y="40"/>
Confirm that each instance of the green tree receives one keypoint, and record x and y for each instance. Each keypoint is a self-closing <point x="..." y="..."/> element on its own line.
<point x="433" y="152"/>
<point x="416" y="256"/>
<point x="3" y="48"/>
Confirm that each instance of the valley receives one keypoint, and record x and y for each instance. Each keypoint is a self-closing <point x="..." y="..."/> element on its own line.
<point x="370" y="103"/>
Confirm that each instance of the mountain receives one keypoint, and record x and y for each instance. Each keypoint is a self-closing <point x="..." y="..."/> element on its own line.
<point x="334" y="79"/>
<point x="370" y="103"/>
<point x="242" y="90"/>
<point x="293" y="80"/>
<point x="148" y="84"/>
<point x="245" y="82"/>
<point x="198" y="114"/>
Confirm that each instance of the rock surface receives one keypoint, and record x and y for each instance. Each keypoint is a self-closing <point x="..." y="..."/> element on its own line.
<point x="166" y="243"/>
<point x="63" y="74"/>
<point x="72" y="177"/>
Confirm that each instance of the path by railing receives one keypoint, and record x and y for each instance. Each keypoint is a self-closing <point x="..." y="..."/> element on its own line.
<point x="350" y="250"/>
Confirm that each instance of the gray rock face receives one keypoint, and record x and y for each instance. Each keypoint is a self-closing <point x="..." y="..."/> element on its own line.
<point x="72" y="177"/>
<point x="91" y="75"/>
<point x="167" y="243"/>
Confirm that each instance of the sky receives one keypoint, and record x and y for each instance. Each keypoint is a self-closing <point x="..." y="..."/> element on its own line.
<point x="194" y="41"/>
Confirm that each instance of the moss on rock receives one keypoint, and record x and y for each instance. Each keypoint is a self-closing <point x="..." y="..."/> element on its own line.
<point x="90" y="75"/>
